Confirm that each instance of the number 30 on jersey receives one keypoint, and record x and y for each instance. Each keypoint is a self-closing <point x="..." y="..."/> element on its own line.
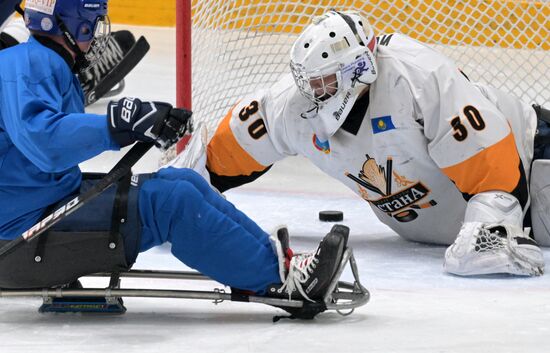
<point x="257" y="128"/>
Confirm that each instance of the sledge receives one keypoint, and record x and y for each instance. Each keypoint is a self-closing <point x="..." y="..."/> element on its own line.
<point x="343" y="297"/>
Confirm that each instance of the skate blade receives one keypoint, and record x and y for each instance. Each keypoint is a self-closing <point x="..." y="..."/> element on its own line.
<point x="345" y="295"/>
<point x="88" y="305"/>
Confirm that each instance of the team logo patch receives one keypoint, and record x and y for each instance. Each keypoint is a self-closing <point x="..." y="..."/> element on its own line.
<point x="322" y="146"/>
<point x="381" y="124"/>
<point x="46" y="24"/>
<point x="401" y="204"/>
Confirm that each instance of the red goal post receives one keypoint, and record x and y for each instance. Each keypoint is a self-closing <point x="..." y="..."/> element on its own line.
<point x="184" y="71"/>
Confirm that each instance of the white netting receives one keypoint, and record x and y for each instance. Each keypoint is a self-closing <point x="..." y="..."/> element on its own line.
<point x="242" y="45"/>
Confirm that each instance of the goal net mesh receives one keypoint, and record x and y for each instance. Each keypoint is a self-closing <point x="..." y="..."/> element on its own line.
<point x="240" y="46"/>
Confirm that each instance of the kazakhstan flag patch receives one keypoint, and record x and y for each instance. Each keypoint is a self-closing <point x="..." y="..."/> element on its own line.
<point x="382" y="124"/>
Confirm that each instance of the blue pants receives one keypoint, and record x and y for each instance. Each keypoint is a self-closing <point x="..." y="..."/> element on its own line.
<point x="206" y="231"/>
<point x="177" y="206"/>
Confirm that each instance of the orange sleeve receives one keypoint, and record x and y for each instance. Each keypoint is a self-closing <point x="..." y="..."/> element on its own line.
<point x="494" y="168"/>
<point x="226" y="157"/>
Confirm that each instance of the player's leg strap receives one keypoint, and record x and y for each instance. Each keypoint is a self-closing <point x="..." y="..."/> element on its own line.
<point x="120" y="210"/>
<point x="102" y="236"/>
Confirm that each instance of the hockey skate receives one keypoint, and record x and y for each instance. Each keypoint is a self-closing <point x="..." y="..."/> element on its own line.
<point x="308" y="277"/>
<point x="106" y="77"/>
<point x="310" y="285"/>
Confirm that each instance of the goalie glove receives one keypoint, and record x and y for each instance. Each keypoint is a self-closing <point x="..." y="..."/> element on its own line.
<point x="482" y="249"/>
<point x="132" y="120"/>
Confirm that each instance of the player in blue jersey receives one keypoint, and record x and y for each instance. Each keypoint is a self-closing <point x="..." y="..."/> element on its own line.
<point x="122" y="54"/>
<point x="45" y="134"/>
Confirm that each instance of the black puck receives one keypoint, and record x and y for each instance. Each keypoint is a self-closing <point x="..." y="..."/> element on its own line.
<point x="331" y="216"/>
<point x="406" y="216"/>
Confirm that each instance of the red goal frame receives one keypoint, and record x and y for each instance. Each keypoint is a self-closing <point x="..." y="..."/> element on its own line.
<point x="183" y="60"/>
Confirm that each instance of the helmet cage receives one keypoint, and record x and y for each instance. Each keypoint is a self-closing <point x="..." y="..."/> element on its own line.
<point x="101" y="36"/>
<point x="318" y="86"/>
<point x="321" y="85"/>
<point x="353" y="63"/>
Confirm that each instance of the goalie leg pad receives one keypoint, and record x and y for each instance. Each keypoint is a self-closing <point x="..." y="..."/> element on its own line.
<point x="482" y="249"/>
<point x="494" y="207"/>
<point x="540" y="201"/>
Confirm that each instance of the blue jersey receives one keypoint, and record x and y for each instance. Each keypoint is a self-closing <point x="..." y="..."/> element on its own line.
<point x="44" y="134"/>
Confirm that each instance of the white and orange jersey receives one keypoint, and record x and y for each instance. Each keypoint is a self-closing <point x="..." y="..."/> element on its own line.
<point x="416" y="147"/>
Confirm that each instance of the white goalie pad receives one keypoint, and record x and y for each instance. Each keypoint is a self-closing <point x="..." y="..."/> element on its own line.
<point x="482" y="249"/>
<point x="540" y="201"/>
<point x="494" y="207"/>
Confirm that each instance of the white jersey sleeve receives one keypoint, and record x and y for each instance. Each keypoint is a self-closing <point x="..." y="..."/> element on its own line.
<point x="252" y="136"/>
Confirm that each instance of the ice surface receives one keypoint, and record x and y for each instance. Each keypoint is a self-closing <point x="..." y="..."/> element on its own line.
<point x="415" y="307"/>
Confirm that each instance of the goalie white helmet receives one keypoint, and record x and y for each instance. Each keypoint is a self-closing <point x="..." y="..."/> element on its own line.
<point x="332" y="62"/>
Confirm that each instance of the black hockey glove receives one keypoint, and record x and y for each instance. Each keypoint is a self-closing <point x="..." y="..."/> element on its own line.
<point x="131" y="120"/>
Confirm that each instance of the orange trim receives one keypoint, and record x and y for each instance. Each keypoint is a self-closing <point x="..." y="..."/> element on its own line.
<point x="494" y="168"/>
<point x="226" y="157"/>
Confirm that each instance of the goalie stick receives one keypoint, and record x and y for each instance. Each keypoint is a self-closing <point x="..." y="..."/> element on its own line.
<point x="123" y="68"/>
<point x="122" y="168"/>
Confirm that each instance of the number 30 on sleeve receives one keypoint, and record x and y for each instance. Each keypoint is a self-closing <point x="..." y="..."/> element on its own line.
<point x="257" y="128"/>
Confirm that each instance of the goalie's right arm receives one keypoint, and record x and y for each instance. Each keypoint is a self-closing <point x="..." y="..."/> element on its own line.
<point x="242" y="148"/>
